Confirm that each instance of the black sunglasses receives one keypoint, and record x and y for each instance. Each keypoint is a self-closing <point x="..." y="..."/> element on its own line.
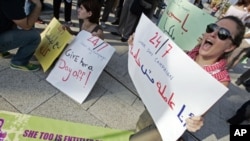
<point x="223" y="33"/>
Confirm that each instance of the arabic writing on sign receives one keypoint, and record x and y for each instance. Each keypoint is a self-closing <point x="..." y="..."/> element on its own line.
<point x="52" y="39"/>
<point x="158" y="47"/>
<point x="170" y="30"/>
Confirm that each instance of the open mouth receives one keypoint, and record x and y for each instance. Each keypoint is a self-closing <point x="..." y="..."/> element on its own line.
<point x="207" y="45"/>
<point x="208" y="42"/>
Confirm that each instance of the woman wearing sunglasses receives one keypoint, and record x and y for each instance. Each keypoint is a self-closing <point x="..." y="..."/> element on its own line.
<point x="218" y="41"/>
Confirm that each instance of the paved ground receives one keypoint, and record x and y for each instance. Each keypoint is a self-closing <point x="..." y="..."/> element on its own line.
<point x="113" y="101"/>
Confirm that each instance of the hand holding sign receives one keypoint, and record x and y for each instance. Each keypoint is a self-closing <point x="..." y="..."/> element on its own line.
<point x="157" y="67"/>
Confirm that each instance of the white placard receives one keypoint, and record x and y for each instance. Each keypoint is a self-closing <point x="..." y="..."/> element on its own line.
<point x="171" y="85"/>
<point x="80" y="65"/>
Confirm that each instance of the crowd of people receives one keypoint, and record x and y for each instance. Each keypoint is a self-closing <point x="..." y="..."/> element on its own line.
<point x="221" y="38"/>
<point x="89" y="15"/>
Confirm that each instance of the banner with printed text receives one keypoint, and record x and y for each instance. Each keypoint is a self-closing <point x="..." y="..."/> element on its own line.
<point x="54" y="39"/>
<point x="80" y="65"/>
<point x="21" y="127"/>
<point x="184" y="23"/>
<point x="171" y="85"/>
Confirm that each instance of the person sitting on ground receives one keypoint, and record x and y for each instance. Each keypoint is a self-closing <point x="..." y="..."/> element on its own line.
<point x="89" y="12"/>
<point x="220" y="39"/>
<point x="16" y="31"/>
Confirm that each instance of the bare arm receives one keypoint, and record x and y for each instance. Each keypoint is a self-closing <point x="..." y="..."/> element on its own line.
<point x="28" y="22"/>
<point x="247" y="35"/>
<point x="99" y="33"/>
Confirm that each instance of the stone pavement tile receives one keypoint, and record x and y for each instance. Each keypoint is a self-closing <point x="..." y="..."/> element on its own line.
<point x="24" y="90"/>
<point x="6" y="106"/>
<point x="210" y="138"/>
<point x="214" y="125"/>
<point x="64" y="108"/>
<point x="118" y="68"/>
<point x="138" y="104"/>
<point x="225" y="138"/>
<point x="118" y="65"/>
<point x="4" y="64"/>
<point x="115" y="113"/>
<point x="129" y="84"/>
<point x="97" y="92"/>
<point x="116" y="89"/>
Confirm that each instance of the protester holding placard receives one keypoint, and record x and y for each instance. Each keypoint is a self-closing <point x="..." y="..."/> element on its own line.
<point x="17" y="31"/>
<point x="220" y="39"/>
<point x="89" y="12"/>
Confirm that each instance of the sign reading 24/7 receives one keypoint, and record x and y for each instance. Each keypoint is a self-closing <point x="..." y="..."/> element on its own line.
<point x="80" y="65"/>
<point x="168" y="81"/>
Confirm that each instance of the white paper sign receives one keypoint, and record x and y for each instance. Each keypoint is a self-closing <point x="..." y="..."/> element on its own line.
<point x="80" y="65"/>
<point x="172" y="86"/>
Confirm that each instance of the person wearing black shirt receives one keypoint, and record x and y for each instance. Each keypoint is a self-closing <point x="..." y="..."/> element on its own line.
<point x="17" y="31"/>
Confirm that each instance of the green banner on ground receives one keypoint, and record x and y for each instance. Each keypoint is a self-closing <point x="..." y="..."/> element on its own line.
<point x="21" y="127"/>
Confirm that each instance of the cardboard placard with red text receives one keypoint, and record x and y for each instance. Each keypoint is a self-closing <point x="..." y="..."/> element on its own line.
<point x="80" y="65"/>
<point x="53" y="40"/>
<point x="171" y="85"/>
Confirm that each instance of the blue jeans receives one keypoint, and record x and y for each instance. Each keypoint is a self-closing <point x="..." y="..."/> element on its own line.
<point x="25" y="40"/>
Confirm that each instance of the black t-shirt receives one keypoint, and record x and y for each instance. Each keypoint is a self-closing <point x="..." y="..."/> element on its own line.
<point x="10" y="10"/>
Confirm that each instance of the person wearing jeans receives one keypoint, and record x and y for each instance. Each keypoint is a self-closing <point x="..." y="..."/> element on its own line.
<point x="17" y="31"/>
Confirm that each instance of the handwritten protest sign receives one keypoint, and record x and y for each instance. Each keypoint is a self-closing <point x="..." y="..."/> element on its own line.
<point x="80" y="65"/>
<point x="171" y="85"/>
<point x="54" y="40"/>
<point x="184" y="23"/>
<point x="21" y="127"/>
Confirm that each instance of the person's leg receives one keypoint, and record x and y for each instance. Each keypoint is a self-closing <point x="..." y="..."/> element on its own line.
<point x="43" y="5"/>
<point x="130" y="25"/>
<point x="56" y="8"/>
<point x="67" y="10"/>
<point x="25" y="40"/>
<point x="124" y="15"/>
<point x="118" y="12"/>
<point x="107" y="9"/>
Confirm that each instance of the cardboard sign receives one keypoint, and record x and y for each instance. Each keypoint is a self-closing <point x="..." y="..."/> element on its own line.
<point x="20" y="127"/>
<point x="54" y="40"/>
<point x="80" y="65"/>
<point x="184" y="23"/>
<point x="171" y="85"/>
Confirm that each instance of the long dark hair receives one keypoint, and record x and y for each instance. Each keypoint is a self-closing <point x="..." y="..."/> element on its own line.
<point x="245" y="3"/>
<point x="240" y="29"/>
